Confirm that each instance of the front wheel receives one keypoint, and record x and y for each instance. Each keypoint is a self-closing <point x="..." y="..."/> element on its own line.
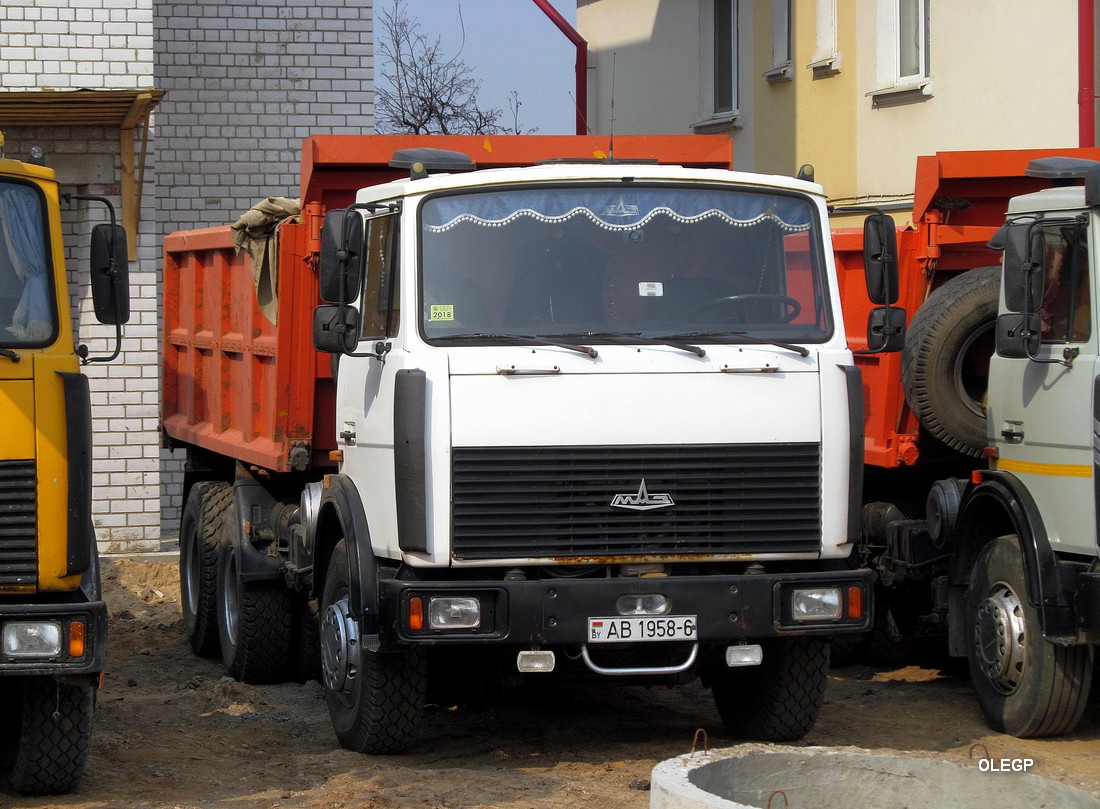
<point x="779" y="700"/>
<point x="52" y="736"/>
<point x="1026" y="686"/>
<point x="374" y="698"/>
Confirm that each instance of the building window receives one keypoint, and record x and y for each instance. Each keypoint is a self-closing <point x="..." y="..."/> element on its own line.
<point x="912" y="42"/>
<point x="781" y="69"/>
<point x="725" y="56"/>
<point x="902" y="64"/>
<point x="826" y="61"/>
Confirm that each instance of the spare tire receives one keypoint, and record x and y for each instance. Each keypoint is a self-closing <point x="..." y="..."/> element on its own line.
<point x="945" y="363"/>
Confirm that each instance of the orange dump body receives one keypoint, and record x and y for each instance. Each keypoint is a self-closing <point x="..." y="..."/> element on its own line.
<point x="960" y="199"/>
<point x="242" y="387"/>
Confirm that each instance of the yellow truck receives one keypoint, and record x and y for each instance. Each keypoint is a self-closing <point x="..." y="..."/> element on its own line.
<point x="52" y="617"/>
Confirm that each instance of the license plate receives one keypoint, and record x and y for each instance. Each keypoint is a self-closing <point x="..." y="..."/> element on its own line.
<point x="632" y="630"/>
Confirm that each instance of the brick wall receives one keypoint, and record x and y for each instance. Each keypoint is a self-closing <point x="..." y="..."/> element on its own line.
<point x="245" y="81"/>
<point x="76" y="43"/>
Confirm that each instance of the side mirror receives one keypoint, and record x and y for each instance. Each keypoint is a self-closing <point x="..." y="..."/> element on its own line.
<point x="110" y="274"/>
<point x="1018" y="335"/>
<point x="1023" y="267"/>
<point x="886" y="329"/>
<point x="341" y="264"/>
<point x="880" y="259"/>
<point x="335" y="329"/>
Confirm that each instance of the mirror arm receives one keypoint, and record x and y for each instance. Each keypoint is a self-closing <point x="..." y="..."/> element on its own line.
<point x="113" y="272"/>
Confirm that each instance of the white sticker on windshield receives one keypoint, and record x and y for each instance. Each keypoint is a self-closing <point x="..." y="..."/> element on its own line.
<point x="651" y="289"/>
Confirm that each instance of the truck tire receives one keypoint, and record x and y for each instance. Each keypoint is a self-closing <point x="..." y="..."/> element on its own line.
<point x="254" y="623"/>
<point x="1026" y="686"/>
<point x="305" y="662"/>
<point x="945" y="363"/>
<point x="53" y="733"/>
<point x="375" y="698"/>
<point x="891" y="636"/>
<point x="779" y="700"/>
<point x="200" y="531"/>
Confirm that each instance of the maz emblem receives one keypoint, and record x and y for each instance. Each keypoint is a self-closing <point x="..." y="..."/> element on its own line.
<point x="642" y="501"/>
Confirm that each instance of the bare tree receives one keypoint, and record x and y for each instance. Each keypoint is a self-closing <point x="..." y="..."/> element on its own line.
<point x="422" y="92"/>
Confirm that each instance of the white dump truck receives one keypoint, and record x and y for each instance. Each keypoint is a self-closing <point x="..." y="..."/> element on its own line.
<point x="583" y="420"/>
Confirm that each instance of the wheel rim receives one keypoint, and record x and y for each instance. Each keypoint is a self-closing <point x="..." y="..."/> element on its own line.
<point x="1000" y="638"/>
<point x="339" y="649"/>
<point x="191" y="572"/>
<point x="231" y="598"/>
<point x="971" y="373"/>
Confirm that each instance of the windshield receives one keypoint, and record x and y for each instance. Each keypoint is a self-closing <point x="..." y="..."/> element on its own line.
<point x="26" y="312"/>
<point x="608" y="261"/>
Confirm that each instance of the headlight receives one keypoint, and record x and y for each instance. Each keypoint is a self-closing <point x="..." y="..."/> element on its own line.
<point x="454" y="613"/>
<point x="27" y="640"/>
<point x="816" y="604"/>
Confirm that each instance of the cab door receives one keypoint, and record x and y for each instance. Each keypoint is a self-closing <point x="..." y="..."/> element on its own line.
<point x="365" y="379"/>
<point x="1043" y="406"/>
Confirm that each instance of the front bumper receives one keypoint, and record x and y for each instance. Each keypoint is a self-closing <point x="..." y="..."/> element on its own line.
<point x="93" y="660"/>
<point x="727" y="608"/>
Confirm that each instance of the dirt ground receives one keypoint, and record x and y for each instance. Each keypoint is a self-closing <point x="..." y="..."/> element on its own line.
<point x="172" y="731"/>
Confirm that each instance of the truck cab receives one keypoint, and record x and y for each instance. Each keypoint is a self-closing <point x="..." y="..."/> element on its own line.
<point x="601" y="417"/>
<point x="1025" y="580"/>
<point x="52" y="617"/>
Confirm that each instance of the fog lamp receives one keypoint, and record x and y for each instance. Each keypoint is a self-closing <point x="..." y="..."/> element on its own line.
<point x="816" y="604"/>
<point x="454" y="613"/>
<point x="32" y="639"/>
<point x="644" y="604"/>
<point x="535" y="662"/>
<point x="747" y="654"/>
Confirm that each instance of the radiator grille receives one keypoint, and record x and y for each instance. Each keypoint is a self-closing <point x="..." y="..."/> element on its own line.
<point x="18" y="555"/>
<point x="556" y="501"/>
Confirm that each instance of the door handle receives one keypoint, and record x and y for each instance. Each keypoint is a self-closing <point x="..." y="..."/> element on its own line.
<point x="348" y="433"/>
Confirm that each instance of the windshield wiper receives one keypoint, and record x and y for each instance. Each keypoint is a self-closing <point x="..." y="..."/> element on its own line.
<point x="734" y="337"/>
<point x="636" y="337"/>
<point x="519" y="339"/>
<point x="11" y="355"/>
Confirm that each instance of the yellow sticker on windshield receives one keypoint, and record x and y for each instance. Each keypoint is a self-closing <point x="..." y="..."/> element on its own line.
<point x="442" y="311"/>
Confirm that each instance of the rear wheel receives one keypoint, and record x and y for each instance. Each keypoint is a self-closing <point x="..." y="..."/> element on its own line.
<point x="200" y="531"/>
<point x="374" y="698"/>
<point x="1026" y="686"/>
<point x="779" y="700"/>
<point x="52" y="736"/>
<point x="254" y="623"/>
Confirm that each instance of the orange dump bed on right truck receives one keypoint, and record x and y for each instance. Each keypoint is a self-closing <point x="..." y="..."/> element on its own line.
<point x="960" y="199"/>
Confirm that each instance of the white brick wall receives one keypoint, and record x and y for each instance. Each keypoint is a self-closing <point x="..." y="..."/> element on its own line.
<point x="65" y="44"/>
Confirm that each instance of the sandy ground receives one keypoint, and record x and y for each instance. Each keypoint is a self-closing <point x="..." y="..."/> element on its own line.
<point x="172" y="731"/>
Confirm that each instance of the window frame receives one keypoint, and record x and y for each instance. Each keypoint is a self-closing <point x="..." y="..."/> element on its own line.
<point x="383" y="282"/>
<point x="725" y="56"/>
<point x="920" y="39"/>
<point x="7" y="338"/>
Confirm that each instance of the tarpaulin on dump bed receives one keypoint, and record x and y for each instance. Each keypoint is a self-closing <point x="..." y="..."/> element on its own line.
<point x="257" y="232"/>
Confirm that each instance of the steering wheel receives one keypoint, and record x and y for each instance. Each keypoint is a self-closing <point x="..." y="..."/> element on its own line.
<point x="752" y="302"/>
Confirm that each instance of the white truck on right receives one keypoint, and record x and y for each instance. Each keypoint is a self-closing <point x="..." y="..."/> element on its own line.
<point x="1023" y="594"/>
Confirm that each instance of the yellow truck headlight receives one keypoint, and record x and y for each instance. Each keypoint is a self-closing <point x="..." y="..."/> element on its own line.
<point x="29" y="640"/>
